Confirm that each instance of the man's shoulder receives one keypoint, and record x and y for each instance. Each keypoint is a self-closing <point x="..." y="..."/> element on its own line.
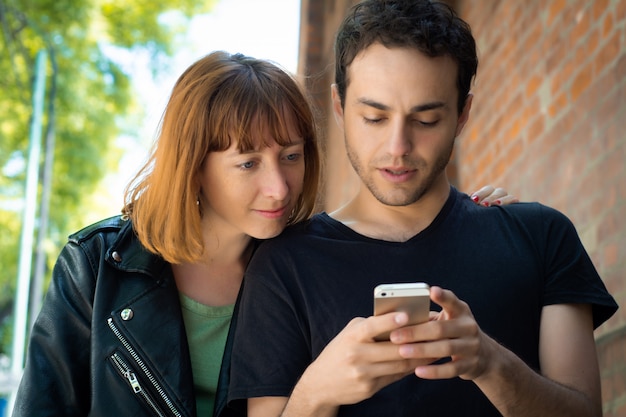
<point x="537" y="221"/>
<point x="534" y="210"/>
<point x="533" y="217"/>
<point x="319" y="225"/>
<point x="305" y="234"/>
<point x="526" y="211"/>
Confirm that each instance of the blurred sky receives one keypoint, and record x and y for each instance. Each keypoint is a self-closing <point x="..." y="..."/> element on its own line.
<point x="266" y="29"/>
<point x="263" y="29"/>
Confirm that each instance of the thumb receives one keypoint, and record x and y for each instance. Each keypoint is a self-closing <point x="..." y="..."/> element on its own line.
<point x="450" y="304"/>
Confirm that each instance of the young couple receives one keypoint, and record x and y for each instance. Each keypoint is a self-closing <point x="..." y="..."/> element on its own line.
<point x="137" y="320"/>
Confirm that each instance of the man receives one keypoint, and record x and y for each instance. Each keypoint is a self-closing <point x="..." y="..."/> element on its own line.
<point x="516" y="295"/>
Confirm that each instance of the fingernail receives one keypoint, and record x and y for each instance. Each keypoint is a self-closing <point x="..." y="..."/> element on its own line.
<point x="486" y="203"/>
<point x="475" y="198"/>
<point x="498" y="202"/>
<point x="401" y="318"/>
<point x="406" y="351"/>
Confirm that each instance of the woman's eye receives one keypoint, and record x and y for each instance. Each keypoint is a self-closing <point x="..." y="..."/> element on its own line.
<point x="293" y="157"/>
<point x="247" y="165"/>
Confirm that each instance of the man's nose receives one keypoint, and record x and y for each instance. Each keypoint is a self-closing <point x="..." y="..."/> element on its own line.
<point x="399" y="142"/>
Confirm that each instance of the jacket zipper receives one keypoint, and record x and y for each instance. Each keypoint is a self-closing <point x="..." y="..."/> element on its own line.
<point x="132" y="379"/>
<point x="127" y="372"/>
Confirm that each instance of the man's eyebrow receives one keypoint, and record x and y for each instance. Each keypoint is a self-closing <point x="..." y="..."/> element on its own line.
<point x="371" y="103"/>
<point x="428" y="106"/>
<point x="415" y="109"/>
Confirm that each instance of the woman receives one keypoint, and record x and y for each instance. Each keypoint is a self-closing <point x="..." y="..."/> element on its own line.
<point x="138" y="301"/>
<point x="138" y="311"/>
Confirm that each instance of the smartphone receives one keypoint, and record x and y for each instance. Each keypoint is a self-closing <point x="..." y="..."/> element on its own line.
<point x="413" y="298"/>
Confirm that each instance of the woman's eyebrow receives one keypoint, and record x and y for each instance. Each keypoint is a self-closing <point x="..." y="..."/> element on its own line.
<point x="298" y="142"/>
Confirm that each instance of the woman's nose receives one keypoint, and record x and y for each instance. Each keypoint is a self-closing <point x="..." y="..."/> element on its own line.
<point x="275" y="183"/>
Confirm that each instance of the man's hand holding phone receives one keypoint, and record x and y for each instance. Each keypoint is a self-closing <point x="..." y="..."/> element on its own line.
<point x="358" y="362"/>
<point x="361" y="360"/>
<point x="454" y="333"/>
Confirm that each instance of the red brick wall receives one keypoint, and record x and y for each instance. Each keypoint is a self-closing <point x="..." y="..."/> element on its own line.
<point x="548" y="123"/>
<point x="319" y="21"/>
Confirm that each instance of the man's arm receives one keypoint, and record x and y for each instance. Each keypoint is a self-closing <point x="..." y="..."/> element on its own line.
<point x="569" y="382"/>
<point x="266" y="406"/>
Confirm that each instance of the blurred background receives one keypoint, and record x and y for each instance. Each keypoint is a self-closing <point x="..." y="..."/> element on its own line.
<point x="83" y="85"/>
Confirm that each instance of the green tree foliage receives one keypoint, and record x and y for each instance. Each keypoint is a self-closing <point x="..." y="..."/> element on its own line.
<point x="87" y="97"/>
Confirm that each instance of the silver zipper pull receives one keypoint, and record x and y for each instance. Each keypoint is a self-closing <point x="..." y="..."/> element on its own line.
<point x="132" y="378"/>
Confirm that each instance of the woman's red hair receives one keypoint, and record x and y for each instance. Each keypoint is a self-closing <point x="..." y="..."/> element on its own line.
<point x="218" y="99"/>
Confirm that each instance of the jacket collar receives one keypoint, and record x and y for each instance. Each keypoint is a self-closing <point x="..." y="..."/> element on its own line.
<point x="128" y="254"/>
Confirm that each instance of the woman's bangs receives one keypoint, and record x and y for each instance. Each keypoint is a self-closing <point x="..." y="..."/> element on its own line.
<point x="267" y="122"/>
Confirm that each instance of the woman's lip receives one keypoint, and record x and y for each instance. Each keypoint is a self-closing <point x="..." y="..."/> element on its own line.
<point x="273" y="214"/>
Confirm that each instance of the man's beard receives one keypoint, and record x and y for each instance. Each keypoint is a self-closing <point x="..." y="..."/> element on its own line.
<point x="402" y="196"/>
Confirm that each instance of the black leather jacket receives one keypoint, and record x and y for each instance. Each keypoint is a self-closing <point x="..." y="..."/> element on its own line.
<point x="110" y="338"/>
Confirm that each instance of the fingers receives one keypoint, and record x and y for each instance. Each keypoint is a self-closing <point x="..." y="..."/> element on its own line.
<point x="382" y="358"/>
<point x="372" y="327"/>
<point x="424" y="337"/>
<point x="479" y="196"/>
<point x="462" y="357"/>
<point x="453" y="368"/>
<point x="452" y="334"/>
<point x="507" y="199"/>
<point x="451" y="305"/>
<point x="353" y="366"/>
<point x="463" y="352"/>
<point x="469" y="357"/>
<point x="488" y="195"/>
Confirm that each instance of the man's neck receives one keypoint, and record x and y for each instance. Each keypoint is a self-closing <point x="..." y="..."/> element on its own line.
<point x="369" y="217"/>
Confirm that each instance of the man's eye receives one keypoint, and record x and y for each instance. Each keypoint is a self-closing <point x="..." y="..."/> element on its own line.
<point x="427" y="124"/>
<point x="247" y="165"/>
<point x="372" y="120"/>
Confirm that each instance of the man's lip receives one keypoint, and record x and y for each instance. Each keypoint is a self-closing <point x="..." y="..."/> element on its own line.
<point x="397" y="170"/>
<point x="397" y="174"/>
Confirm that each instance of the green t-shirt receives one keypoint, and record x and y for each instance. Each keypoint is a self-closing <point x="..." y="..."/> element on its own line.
<point x="207" y="329"/>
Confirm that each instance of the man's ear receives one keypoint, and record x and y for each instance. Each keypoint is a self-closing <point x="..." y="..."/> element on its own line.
<point x="464" y="116"/>
<point x="337" y="108"/>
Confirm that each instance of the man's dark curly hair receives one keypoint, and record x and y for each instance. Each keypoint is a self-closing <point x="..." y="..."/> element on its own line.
<point x="431" y="27"/>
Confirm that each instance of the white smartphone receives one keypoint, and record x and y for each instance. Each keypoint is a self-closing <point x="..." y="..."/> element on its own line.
<point x="412" y="298"/>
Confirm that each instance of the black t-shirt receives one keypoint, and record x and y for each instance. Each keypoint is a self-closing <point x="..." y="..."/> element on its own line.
<point x="303" y="287"/>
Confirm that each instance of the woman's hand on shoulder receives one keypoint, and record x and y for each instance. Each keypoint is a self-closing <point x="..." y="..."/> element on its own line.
<point x="489" y="196"/>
